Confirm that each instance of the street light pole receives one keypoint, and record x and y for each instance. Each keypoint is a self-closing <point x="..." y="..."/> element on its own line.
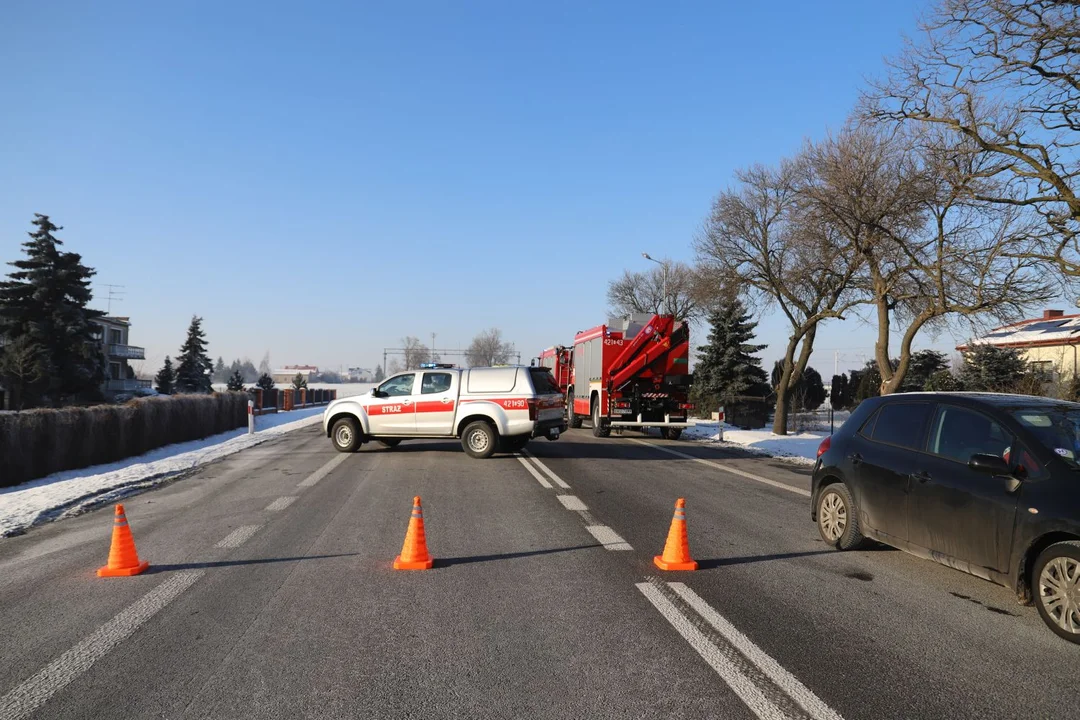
<point x="666" y="304"/>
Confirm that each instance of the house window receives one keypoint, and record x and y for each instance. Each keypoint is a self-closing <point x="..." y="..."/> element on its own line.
<point x="1044" y="368"/>
<point x="114" y="371"/>
<point x="115" y="337"/>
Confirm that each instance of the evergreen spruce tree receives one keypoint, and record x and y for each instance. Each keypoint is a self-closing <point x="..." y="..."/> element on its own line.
<point x="45" y="301"/>
<point x="221" y="373"/>
<point x="265" y="382"/>
<point x="380" y="375"/>
<point x="726" y="367"/>
<point x="194" y="366"/>
<point x="299" y="382"/>
<point x="165" y="381"/>
<point x="988" y="368"/>
<point x="236" y="381"/>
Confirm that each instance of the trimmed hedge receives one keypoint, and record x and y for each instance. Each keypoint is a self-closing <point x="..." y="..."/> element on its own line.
<point x="37" y="443"/>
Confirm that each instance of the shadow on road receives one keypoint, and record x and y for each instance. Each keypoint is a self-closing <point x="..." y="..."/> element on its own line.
<point x="446" y="562"/>
<point x="722" y="562"/>
<point x="235" y="563"/>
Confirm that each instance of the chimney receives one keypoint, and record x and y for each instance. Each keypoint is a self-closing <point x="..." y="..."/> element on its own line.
<point x="1049" y="314"/>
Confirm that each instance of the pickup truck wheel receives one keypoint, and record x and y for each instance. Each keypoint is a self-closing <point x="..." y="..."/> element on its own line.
<point x="345" y="435"/>
<point x="479" y="440"/>
<point x="598" y="430"/>
<point x="671" y="433"/>
<point x="572" y="418"/>
<point x="390" y="442"/>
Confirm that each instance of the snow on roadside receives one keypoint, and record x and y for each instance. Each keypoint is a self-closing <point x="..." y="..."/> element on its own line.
<point x="800" y="448"/>
<point x="71" y="492"/>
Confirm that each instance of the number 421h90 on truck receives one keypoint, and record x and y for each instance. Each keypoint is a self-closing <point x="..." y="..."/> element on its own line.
<point x="631" y="373"/>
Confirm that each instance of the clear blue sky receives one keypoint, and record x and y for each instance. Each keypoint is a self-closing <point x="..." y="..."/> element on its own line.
<point x="322" y="181"/>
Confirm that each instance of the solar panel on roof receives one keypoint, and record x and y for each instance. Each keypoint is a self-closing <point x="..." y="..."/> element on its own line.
<point x="1044" y="326"/>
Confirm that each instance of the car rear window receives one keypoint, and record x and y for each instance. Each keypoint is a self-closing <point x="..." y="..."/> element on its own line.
<point x="901" y="424"/>
<point x="544" y="382"/>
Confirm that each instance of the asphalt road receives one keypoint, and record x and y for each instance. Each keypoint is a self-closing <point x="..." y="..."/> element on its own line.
<point x="544" y="602"/>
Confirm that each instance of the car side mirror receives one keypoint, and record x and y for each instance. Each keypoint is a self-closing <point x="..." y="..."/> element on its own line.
<point x="990" y="464"/>
<point x="376" y="392"/>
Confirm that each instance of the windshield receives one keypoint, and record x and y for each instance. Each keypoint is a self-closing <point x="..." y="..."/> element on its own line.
<point x="1058" y="429"/>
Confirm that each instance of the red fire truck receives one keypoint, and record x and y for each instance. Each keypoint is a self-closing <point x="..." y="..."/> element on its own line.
<point x="631" y="373"/>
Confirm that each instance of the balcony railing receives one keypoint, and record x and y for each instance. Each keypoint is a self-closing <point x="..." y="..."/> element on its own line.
<point x="127" y="352"/>
<point x="127" y="385"/>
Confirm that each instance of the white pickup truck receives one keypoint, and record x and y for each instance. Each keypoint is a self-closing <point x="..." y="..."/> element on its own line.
<point x="490" y="409"/>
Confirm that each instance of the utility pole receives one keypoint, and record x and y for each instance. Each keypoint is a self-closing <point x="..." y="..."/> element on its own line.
<point x="432" y="347"/>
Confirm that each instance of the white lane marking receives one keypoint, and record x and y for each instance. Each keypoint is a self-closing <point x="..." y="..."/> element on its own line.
<point x="547" y="471"/>
<point x="587" y="517"/>
<point x="539" y="478"/>
<point x="238" y="537"/>
<point x="571" y="502"/>
<point x="787" y="682"/>
<point x="725" y="468"/>
<point x="55" y="676"/>
<point x="743" y="686"/>
<point x="323" y="471"/>
<point x="608" y="537"/>
<point x="281" y="503"/>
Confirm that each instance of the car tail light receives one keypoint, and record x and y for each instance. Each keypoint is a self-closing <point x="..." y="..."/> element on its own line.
<point x="824" y="446"/>
<point x="622" y="404"/>
<point x="533" y="409"/>
<point x="686" y="406"/>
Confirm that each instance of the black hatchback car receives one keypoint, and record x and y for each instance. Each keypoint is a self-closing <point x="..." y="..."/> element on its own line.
<point x="985" y="483"/>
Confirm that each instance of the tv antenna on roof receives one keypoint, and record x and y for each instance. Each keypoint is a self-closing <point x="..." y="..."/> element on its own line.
<point x="115" y="292"/>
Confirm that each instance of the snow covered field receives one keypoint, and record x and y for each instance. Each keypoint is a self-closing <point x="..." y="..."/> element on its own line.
<point x="71" y="492"/>
<point x="799" y="448"/>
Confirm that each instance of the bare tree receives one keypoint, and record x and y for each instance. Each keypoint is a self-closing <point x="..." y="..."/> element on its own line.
<point x="415" y="352"/>
<point x="393" y="367"/>
<point x="264" y="365"/>
<point x="488" y="348"/>
<point x="22" y="366"/>
<point x="643" y="292"/>
<point x="760" y="239"/>
<point x="927" y="250"/>
<point x="1003" y="77"/>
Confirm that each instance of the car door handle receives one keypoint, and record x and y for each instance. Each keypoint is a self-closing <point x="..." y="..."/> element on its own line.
<point x="920" y="476"/>
<point x="855" y="458"/>
<point x="406" y="402"/>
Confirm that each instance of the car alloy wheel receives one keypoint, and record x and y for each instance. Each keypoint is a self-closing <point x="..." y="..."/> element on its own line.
<point x="833" y="516"/>
<point x="1059" y="592"/>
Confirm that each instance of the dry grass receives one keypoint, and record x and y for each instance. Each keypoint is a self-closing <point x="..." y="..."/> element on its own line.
<point x="37" y="443"/>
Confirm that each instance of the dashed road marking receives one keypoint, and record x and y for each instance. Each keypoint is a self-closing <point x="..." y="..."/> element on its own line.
<point x="725" y="468"/>
<point x="55" y="676"/>
<point x="532" y="471"/>
<point x="281" y="503"/>
<point x="322" y="472"/>
<point x="571" y="502"/>
<point x="608" y="537"/>
<point x="547" y="471"/>
<point x="238" y="537"/>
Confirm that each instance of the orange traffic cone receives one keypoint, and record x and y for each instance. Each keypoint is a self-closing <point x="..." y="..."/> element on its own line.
<point x="123" y="559"/>
<point x="677" y="548"/>
<point x="414" y="554"/>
